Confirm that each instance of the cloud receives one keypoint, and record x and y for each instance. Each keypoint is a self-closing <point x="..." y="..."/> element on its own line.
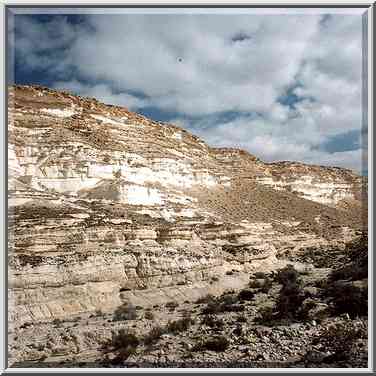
<point x="44" y="45"/>
<point x="186" y="63"/>
<point x="271" y="141"/>
<point x="202" y="66"/>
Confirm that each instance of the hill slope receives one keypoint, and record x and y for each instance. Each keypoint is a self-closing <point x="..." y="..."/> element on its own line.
<point x="107" y="206"/>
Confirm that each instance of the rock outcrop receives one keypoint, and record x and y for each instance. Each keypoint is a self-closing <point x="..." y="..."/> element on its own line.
<point x="106" y="205"/>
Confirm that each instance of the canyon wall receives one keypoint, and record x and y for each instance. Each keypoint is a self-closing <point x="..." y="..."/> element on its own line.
<point x="104" y="202"/>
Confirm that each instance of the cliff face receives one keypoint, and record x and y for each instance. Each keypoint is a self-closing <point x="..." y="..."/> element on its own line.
<point x="105" y="204"/>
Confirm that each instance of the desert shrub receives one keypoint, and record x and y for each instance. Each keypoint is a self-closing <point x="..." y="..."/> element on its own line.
<point x="341" y="339"/>
<point x="172" y="327"/>
<point x="154" y="335"/>
<point x="205" y="299"/>
<point x="228" y="298"/>
<point x="231" y="308"/>
<point x="117" y="174"/>
<point x="217" y="343"/>
<point x="268" y="284"/>
<point x="149" y="315"/>
<point x="308" y="304"/>
<point x="56" y="322"/>
<point x="126" y="311"/>
<point x="124" y="340"/>
<point x="354" y="271"/>
<point x="180" y="325"/>
<point x="122" y="355"/>
<point x="350" y="299"/>
<point x="287" y="275"/>
<point x="259" y="275"/>
<point x="241" y="318"/>
<point x="289" y="301"/>
<point x="212" y="322"/>
<point x="211" y="308"/>
<point x="256" y="283"/>
<point x="321" y="283"/>
<point x="357" y="269"/>
<point x="291" y="296"/>
<point x="265" y="315"/>
<point x="264" y="284"/>
<point x="246" y="295"/>
<point x="226" y="303"/>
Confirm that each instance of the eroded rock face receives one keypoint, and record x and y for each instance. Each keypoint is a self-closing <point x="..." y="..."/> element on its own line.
<point x="326" y="185"/>
<point x="106" y="206"/>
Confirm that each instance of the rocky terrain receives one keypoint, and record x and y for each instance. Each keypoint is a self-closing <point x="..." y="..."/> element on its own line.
<point x="132" y="243"/>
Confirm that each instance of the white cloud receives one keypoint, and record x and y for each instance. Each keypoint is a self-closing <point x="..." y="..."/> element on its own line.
<point x="184" y="63"/>
<point x="197" y="65"/>
<point x="271" y="141"/>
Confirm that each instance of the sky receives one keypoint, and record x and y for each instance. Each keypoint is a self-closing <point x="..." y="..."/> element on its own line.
<point x="283" y="86"/>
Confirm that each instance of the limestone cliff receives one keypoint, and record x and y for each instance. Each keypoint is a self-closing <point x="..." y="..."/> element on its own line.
<point x="103" y="202"/>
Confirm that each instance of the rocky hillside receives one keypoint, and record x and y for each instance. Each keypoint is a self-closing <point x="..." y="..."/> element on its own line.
<point x="107" y="207"/>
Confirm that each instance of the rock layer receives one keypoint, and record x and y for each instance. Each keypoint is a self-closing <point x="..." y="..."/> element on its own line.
<point x="106" y="205"/>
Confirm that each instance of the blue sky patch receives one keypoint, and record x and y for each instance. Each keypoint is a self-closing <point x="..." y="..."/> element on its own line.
<point x="342" y="142"/>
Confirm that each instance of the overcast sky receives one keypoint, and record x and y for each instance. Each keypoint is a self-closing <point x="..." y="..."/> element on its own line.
<point x="282" y="86"/>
